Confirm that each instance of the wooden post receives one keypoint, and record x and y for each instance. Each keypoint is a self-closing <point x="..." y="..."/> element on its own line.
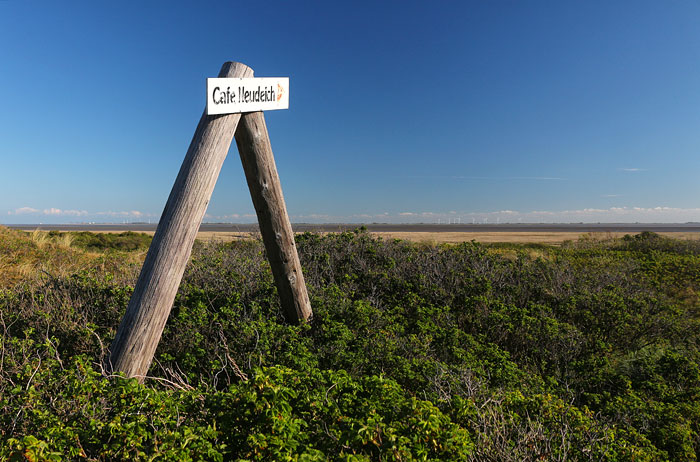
<point x="140" y="330"/>
<point x="255" y="150"/>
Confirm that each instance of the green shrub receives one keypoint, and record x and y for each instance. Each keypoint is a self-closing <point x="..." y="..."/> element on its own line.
<point x="416" y="352"/>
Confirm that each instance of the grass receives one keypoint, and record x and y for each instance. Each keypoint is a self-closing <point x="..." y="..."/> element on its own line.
<point x="547" y="238"/>
<point x="28" y="256"/>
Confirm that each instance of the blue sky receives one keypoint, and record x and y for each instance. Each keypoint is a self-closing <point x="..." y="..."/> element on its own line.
<point x="537" y="111"/>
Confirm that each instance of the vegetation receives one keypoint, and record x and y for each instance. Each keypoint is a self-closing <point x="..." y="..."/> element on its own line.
<point x="589" y="351"/>
<point x="36" y="255"/>
<point x="108" y="241"/>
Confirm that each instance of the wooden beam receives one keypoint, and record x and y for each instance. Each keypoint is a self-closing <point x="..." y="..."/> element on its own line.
<point x="258" y="162"/>
<point x="142" y="326"/>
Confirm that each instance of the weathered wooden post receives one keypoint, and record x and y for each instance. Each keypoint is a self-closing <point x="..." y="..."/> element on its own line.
<point x="142" y="326"/>
<point x="265" y="188"/>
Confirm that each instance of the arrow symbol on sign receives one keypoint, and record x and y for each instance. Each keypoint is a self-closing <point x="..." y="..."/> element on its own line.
<point x="280" y="92"/>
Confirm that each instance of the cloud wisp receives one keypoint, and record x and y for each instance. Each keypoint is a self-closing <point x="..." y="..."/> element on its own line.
<point x="509" y="178"/>
<point x="23" y="211"/>
<point x="487" y="178"/>
<point x="53" y="211"/>
<point x="57" y="213"/>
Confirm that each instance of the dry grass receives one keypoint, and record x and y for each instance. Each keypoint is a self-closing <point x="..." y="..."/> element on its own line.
<point x="551" y="238"/>
<point x="213" y="236"/>
<point x="40" y="238"/>
<point x="65" y="240"/>
<point x="25" y="256"/>
<point x="492" y="237"/>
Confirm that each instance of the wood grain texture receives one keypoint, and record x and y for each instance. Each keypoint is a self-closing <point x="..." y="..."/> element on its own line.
<point x="140" y="330"/>
<point x="258" y="162"/>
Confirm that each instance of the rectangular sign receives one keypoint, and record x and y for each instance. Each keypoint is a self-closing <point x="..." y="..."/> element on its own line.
<point x="228" y="96"/>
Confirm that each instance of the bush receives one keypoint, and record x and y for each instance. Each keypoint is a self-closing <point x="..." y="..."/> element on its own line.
<point x="462" y="352"/>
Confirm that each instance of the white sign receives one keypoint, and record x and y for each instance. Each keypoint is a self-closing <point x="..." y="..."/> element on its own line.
<point x="228" y="96"/>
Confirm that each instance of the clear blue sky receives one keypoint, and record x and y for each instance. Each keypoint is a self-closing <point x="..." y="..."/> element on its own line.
<point x="543" y="111"/>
